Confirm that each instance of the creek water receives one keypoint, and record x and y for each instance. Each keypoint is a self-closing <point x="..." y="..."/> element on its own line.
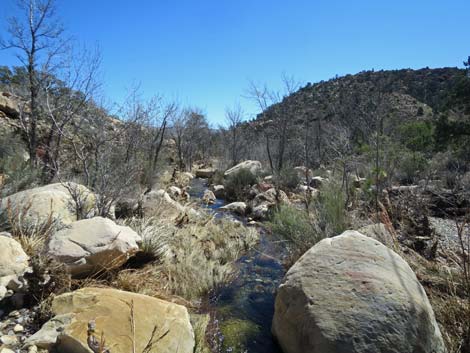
<point x="242" y="310"/>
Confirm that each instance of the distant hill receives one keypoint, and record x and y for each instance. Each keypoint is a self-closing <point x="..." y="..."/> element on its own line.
<point x="399" y="95"/>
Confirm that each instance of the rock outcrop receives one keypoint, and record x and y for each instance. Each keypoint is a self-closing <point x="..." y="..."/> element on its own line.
<point x="351" y="294"/>
<point x="253" y="166"/>
<point x="13" y="265"/>
<point x="113" y="312"/>
<point x="54" y="200"/>
<point x="91" y="245"/>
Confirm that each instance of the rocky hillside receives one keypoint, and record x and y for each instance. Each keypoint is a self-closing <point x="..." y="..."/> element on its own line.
<point x="402" y="95"/>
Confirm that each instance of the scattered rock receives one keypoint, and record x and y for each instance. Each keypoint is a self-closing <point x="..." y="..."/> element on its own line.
<point x="112" y="310"/>
<point x="302" y="171"/>
<point x="219" y="191"/>
<point x="317" y="182"/>
<point x="270" y="197"/>
<point x="13" y="265"/>
<point x="153" y="200"/>
<point x="235" y="207"/>
<point x="175" y="192"/>
<point x="205" y="173"/>
<point x="90" y="245"/>
<point x="253" y="166"/>
<point x="260" y="212"/>
<point x="18" y="328"/>
<point x="352" y="294"/>
<point x="9" y="340"/>
<point x="304" y="189"/>
<point x="208" y="197"/>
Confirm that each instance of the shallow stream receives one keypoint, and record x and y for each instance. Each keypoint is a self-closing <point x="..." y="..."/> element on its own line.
<point x="243" y="309"/>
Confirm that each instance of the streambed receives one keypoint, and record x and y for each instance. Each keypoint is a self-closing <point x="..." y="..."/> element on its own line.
<point x="242" y="310"/>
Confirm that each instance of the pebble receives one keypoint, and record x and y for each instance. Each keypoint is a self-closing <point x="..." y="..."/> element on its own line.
<point x="18" y="328"/>
<point x="32" y="349"/>
<point x="15" y="313"/>
<point x="6" y="350"/>
<point x="9" y="340"/>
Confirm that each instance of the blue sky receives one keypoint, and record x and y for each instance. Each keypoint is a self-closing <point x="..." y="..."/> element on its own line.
<point x="205" y="52"/>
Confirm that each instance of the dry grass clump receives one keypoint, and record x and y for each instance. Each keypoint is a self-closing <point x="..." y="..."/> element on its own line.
<point x="446" y="289"/>
<point x="189" y="259"/>
<point x="31" y="234"/>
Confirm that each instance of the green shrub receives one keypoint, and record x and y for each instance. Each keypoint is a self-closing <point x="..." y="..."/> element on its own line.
<point x="294" y="226"/>
<point x="412" y="165"/>
<point x="238" y="184"/>
<point x="330" y="209"/>
<point x="287" y="179"/>
<point x="418" y="136"/>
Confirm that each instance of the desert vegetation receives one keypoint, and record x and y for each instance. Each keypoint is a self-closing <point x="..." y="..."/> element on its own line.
<point x="148" y="212"/>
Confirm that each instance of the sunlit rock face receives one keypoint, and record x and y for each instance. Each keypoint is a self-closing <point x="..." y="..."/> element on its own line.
<point x="352" y="294"/>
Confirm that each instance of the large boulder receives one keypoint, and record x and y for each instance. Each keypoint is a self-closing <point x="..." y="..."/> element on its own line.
<point x="351" y="294"/>
<point x="13" y="265"/>
<point x="92" y="245"/>
<point x="58" y="201"/>
<point x="253" y="166"/>
<point x="155" y="200"/>
<point x="162" y="325"/>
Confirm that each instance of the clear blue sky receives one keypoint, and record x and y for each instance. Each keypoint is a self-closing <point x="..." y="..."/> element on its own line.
<point x="205" y="52"/>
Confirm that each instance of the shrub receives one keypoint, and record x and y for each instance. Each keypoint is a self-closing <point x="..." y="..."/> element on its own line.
<point x="238" y="184"/>
<point x="330" y="209"/>
<point x="294" y="226"/>
<point x="418" y="136"/>
<point x="412" y="166"/>
<point x="287" y="179"/>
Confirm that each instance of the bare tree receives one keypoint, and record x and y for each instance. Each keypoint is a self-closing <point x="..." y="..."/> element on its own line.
<point x="277" y="123"/>
<point x="234" y="118"/>
<point x="65" y="100"/>
<point x="37" y="37"/>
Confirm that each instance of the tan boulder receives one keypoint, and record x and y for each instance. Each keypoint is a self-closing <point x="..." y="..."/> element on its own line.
<point x="205" y="173"/>
<point x="38" y="204"/>
<point x="154" y="200"/>
<point x="351" y="294"/>
<point x="114" y="312"/>
<point x="253" y="166"/>
<point x="13" y="265"/>
<point x="91" y="245"/>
